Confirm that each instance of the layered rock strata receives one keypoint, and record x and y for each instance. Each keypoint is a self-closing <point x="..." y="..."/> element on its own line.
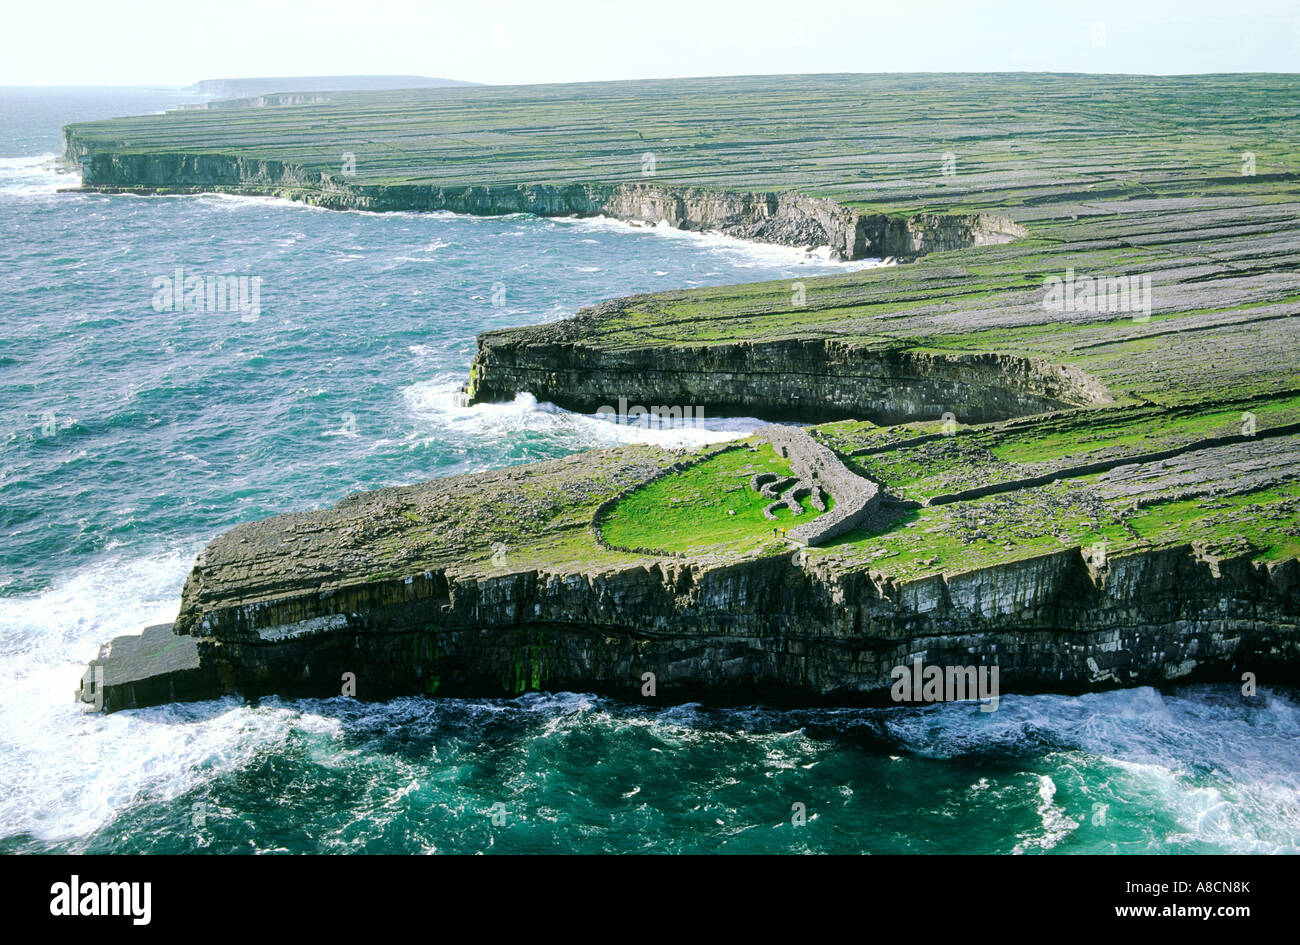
<point x="809" y="380"/>
<point x="383" y="588"/>
<point x="789" y="219"/>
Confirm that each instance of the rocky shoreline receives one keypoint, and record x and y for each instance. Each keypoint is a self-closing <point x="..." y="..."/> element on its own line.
<point x="283" y="606"/>
<point x="788" y="219"/>
<point x="991" y="553"/>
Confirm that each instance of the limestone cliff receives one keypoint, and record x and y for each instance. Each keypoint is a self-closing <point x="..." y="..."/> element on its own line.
<point x="769" y="629"/>
<point x="799" y="379"/>
<point x="384" y="587"/>
<point x="789" y="219"/>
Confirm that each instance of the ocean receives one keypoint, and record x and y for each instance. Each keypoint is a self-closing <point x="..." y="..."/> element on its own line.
<point x="134" y="430"/>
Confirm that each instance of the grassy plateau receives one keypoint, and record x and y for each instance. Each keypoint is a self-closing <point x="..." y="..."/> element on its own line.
<point x="1183" y="187"/>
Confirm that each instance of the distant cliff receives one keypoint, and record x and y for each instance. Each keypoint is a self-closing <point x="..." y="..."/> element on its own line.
<point x="788" y="219"/>
<point x="241" y="88"/>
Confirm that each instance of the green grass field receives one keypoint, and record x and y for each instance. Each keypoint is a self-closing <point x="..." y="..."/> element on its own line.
<point x="707" y="508"/>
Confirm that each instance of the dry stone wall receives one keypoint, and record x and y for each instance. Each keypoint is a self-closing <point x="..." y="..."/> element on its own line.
<point x="814" y="465"/>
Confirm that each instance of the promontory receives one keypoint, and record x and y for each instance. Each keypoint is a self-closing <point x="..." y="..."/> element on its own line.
<point x="1060" y="434"/>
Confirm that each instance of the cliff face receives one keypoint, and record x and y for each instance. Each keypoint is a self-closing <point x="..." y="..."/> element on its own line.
<point x="933" y="232"/>
<point x="396" y="588"/>
<point x="400" y="591"/>
<point x="789" y="219"/>
<point x="764" y="627"/>
<point x="803" y="379"/>
<point x="154" y="173"/>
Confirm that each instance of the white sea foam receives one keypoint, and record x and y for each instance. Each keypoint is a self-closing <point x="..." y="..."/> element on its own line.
<point x="1056" y="825"/>
<point x="35" y="176"/>
<point x="50" y="783"/>
<point x="1226" y="771"/>
<point x="439" y="404"/>
<point x="732" y="247"/>
<point x="741" y="253"/>
<point x="67" y="771"/>
<point x="235" y="201"/>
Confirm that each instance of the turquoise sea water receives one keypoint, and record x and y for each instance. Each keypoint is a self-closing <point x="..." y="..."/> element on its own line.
<point x="131" y="436"/>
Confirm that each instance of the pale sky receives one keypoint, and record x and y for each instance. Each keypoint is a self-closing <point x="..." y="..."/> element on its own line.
<point x="173" y="42"/>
